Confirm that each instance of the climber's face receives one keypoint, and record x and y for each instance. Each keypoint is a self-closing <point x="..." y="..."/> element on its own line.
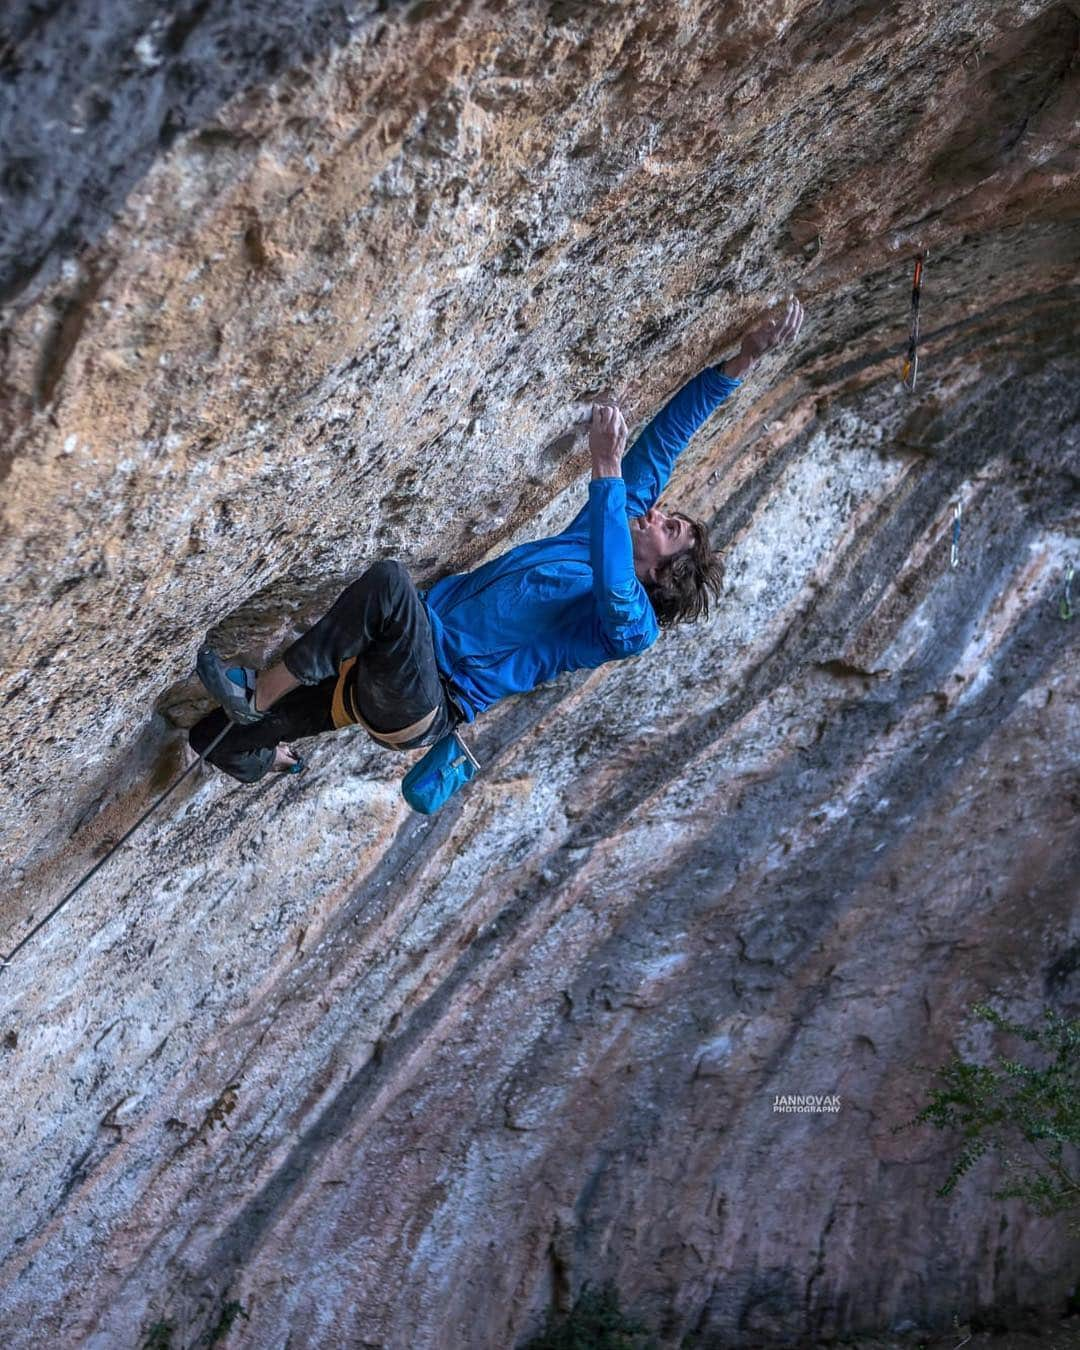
<point x="657" y="536"/>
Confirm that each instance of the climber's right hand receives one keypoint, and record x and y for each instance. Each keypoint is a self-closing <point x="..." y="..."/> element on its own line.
<point x="607" y="440"/>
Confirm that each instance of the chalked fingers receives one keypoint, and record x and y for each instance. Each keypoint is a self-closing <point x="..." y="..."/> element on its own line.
<point x="792" y="321"/>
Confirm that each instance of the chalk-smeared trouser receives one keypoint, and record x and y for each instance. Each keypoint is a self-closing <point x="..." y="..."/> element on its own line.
<point x="380" y="619"/>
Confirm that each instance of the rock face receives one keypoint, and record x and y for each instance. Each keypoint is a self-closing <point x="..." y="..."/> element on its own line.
<point x="290" y="288"/>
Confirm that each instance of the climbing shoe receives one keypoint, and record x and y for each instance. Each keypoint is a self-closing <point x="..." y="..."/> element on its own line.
<point x="234" y="688"/>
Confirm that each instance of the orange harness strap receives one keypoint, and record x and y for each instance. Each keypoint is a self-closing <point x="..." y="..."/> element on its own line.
<point x="345" y="713"/>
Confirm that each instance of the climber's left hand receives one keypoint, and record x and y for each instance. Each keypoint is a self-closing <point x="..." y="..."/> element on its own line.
<point x="779" y="330"/>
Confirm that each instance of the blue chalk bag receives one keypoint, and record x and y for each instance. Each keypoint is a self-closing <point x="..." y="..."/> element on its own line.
<point x="446" y="767"/>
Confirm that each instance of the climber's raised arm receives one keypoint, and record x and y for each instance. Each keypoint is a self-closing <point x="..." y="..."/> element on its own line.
<point x="625" y="619"/>
<point x="648" y="464"/>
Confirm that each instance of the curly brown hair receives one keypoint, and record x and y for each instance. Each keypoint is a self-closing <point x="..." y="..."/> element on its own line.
<point x="684" y="584"/>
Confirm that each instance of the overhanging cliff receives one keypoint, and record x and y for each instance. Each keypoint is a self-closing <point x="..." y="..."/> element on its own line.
<point x="292" y="288"/>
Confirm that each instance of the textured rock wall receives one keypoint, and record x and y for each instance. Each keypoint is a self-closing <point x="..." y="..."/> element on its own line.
<point x="291" y="288"/>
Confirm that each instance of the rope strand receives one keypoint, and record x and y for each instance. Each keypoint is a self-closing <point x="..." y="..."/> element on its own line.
<point x="5" y="961"/>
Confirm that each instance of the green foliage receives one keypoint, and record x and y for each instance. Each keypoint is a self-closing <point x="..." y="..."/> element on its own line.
<point x="160" y="1335"/>
<point x="229" y="1313"/>
<point x="991" y="1106"/>
<point x="594" y="1323"/>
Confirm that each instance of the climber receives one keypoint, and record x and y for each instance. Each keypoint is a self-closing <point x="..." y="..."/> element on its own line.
<point x="409" y="666"/>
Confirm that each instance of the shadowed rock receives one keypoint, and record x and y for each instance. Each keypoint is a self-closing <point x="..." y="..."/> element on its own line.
<point x="294" y="288"/>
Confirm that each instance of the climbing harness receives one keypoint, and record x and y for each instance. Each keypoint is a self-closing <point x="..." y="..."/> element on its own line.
<point x="5" y="961"/>
<point x="433" y="780"/>
<point x="344" y="712"/>
<point x="954" y="551"/>
<point x="1065" y="605"/>
<point x="911" y="360"/>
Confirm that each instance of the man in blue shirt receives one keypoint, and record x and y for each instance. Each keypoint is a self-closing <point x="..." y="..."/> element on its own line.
<point x="409" y="666"/>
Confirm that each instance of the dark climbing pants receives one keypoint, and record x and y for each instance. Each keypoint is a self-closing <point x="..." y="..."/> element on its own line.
<point x="380" y="619"/>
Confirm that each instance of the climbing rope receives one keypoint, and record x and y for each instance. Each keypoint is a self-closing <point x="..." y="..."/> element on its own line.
<point x="5" y="961"/>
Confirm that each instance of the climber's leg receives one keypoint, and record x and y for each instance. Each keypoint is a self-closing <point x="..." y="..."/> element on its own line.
<point x="381" y="605"/>
<point x="273" y="683"/>
<point x="380" y="608"/>
<point x="248" y="753"/>
<point x="381" y="620"/>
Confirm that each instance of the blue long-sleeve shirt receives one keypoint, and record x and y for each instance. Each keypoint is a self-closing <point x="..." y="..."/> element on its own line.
<point x="572" y="600"/>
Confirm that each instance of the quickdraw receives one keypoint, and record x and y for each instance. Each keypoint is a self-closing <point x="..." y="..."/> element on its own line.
<point x="911" y="359"/>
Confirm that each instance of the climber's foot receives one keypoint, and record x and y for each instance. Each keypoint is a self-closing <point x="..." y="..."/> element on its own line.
<point x="286" y="760"/>
<point x="234" y="688"/>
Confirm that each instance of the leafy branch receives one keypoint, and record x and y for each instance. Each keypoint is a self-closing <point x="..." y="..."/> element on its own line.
<point x="990" y="1105"/>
